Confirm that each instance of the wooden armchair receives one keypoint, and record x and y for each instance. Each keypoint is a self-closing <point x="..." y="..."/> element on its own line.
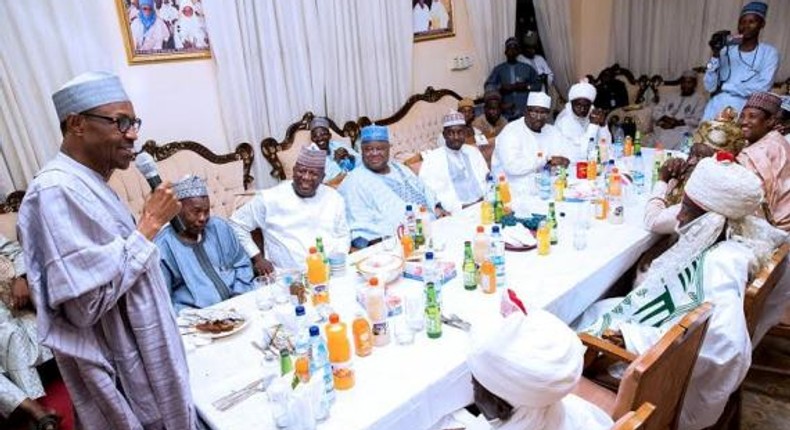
<point x="660" y="376"/>
<point x="635" y="420"/>
<point x="761" y="287"/>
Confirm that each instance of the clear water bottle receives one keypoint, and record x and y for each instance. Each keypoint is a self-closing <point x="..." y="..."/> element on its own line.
<point x="411" y="221"/>
<point x="545" y="183"/>
<point x="638" y="173"/>
<point x="320" y="365"/>
<point x="498" y="256"/>
<point x="686" y="143"/>
<point x="619" y="140"/>
<point x="430" y="274"/>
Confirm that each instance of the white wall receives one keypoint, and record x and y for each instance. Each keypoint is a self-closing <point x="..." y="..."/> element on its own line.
<point x="176" y="100"/>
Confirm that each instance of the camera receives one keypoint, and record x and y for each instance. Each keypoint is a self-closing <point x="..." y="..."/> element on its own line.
<point x="722" y="38"/>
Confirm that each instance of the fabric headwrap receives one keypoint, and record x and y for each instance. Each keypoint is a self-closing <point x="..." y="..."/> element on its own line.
<point x="756" y="7"/>
<point x="768" y="102"/>
<point x="374" y="133"/>
<point x="87" y="91"/>
<point x="539" y="99"/>
<point x="190" y="186"/>
<point x="319" y="122"/>
<point x="311" y="158"/>
<point x="454" y="118"/>
<point x="723" y="134"/>
<point x="532" y="361"/>
<point x="582" y="90"/>
<point x="724" y="187"/>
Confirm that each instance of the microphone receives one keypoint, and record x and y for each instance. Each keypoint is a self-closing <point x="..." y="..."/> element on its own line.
<point x="147" y="166"/>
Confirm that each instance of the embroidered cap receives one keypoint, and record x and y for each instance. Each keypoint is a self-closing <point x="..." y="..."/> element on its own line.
<point x="311" y="158"/>
<point x="454" y="118"/>
<point x="319" y="122"/>
<point x="374" y="133"/>
<point x="756" y="7"/>
<point x="466" y="102"/>
<point x="87" y="91"/>
<point x="768" y="102"/>
<point x="190" y="186"/>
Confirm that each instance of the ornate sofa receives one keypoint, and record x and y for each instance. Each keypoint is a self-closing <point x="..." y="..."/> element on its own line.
<point x="282" y="155"/>
<point x="645" y="92"/>
<point x="413" y="129"/>
<point x="227" y="175"/>
<point x="416" y="126"/>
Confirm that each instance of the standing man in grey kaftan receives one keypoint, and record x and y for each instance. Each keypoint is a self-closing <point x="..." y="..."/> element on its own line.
<point x="103" y="306"/>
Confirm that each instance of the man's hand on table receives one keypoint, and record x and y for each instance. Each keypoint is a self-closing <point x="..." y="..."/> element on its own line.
<point x="262" y="266"/>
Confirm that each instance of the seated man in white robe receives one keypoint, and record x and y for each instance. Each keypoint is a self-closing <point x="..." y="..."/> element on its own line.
<point x="721" y="134"/>
<point x="455" y="172"/>
<point x="720" y="246"/>
<point x="377" y="193"/>
<point x="204" y="264"/>
<point x="678" y="114"/>
<point x="292" y="215"/>
<point x="20" y="351"/>
<point x="581" y="125"/>
<point x="340" y="157"/>
<point x="525" y="145"/>
<point x="523" y="373"/>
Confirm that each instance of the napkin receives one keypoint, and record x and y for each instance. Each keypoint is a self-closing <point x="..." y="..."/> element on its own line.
<point x="518" y="235"/>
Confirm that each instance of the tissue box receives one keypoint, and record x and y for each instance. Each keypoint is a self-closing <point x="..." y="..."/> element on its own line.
<point x="414" y="270"/>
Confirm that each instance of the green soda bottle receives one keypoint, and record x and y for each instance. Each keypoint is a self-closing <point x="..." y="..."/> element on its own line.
<point x="638" y="142"/>
<point x="552" y="221"/>
<point x="433" y="313"/>
<point x="419" y="236"/>
<point x="470" y="270"/>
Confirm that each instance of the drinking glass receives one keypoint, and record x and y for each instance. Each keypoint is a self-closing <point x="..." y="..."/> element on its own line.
<point x="264" y="299"/>
<point x="414" y="307"/>
<point x="404" y="335"/>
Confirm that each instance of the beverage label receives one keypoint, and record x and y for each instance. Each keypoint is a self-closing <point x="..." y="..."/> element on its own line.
<point x="380" y="328"/>
<point x="320" y="294"/>
<point x="433" y="321"/>
<point x="343" y="369"/>
<point x="469" y="278"/>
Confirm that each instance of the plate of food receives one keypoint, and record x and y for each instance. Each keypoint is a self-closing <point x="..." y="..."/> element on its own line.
<point x="212" y="323"/>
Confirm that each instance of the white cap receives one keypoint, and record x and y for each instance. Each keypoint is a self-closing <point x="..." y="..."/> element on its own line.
<point x="87" y="91"/>
<point x="539" y="99"/>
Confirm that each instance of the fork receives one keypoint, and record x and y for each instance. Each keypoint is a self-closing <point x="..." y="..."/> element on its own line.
<point x="234" y="398"/>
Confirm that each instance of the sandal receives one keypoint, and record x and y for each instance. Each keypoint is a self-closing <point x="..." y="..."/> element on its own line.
<point x="47" y="422"/>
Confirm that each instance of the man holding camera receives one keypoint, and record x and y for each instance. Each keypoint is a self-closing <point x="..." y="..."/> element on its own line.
<point x="740" y="65"/>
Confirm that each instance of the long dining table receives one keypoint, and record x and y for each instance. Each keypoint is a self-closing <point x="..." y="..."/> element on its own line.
<point x="413" y="386"/>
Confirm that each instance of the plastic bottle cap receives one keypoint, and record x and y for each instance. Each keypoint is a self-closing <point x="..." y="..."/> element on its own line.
<point x="429" y="255"/>
<point x="314" y="330"/>
<point x="615" y="170"/>
<point x="502" y="178"/>
<point x="299" y="310"/>
<point x="313" y="250"/>
<point x="423" y="209"/>
<point x="481" y="229"/>
<point x="495" y="229"/>
<point x="374" y="281"/>
<point x="334" y="318"/>
<point x="467" y="243"/>
<point x="408" y="207"/>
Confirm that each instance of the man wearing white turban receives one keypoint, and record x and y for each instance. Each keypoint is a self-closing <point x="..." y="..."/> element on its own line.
<point x="720" y="245"/>
<point x="523" y="373"/>
<point x="581" y="125"/>
<point x="526" y="144"/>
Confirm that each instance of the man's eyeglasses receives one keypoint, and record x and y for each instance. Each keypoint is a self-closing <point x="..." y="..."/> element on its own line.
<point x="124" y="123"/>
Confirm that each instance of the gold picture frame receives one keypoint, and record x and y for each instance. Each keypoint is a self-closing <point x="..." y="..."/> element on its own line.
<point x="432" y="19"/>
<point x="178" y="27"/>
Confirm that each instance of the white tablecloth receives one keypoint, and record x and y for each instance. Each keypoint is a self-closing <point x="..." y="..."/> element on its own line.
<point x="413" y="386"/>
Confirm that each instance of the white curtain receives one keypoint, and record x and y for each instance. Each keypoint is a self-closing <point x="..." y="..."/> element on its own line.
<point x="43" y="44"/>
<point x="367" y="47"/>
<point x="270" y="68"/>
<point x="669" y="36"/>
<point x="491" y="22"/>
<point x="554" y="26"/>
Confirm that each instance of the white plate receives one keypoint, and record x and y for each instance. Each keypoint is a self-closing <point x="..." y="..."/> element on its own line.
<point x="190" y="318"/>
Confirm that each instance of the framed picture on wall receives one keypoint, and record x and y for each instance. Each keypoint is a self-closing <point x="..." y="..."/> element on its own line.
<point x="432" y="19"/>
<point x="163" y="30"/>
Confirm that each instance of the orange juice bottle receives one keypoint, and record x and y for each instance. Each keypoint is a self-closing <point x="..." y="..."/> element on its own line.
<point x="504" y="190"/>
<point x="408" y="245"/>
<point x="486" y="213"/>
<point x="317" y="277"/>
<point x="339" y="353"/>
<point x="628" y="150"/>
<point x="544" y="238"/>
<point x="302" y="369"/>
<point x="601" y="205"/>
<point x="363" y="339"/>
<point x="488" y="277"/>
<point x="592" y="169"/>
